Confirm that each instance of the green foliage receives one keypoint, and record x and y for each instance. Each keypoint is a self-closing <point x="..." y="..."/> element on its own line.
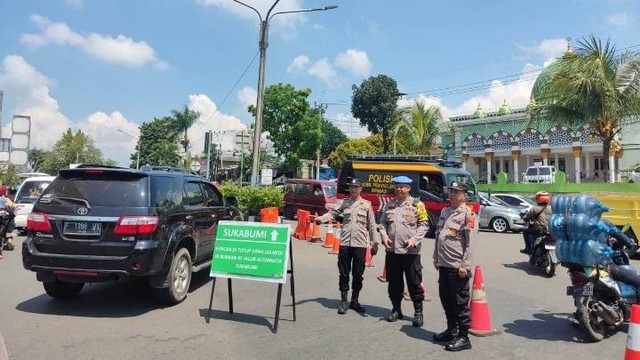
<point x="253" y="198"/>
<point x="72" y="148"/>
<point x="158" y="143"/>
<point x="293" y="127"/>
<point x="560" y="177"/>
<point x="421" y="125"/>
<point x="36" y="159"/>
<point x="374" y="103"/>
<point x="332" y="138"/>
<point x="346" y="150"/>
<point x="8" y="175"/>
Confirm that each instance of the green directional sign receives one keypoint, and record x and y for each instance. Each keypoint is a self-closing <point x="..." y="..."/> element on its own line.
<point x="254" y="251"/>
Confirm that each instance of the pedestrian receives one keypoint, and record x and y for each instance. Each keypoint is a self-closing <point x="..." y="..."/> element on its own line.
<point x="452" y="257"/>
<point x="403" y="225"/>
<point x="358" y="231"/>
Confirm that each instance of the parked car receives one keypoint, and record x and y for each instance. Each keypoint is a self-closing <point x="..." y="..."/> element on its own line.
<point x="315" y="196"/>
<point x="515" y="200"/>
<point x="540" y="174"/>
<point x="499" y="216"/>
<point x="634" y="175"/>
<point x="96" y="224"/>
<point x="27" y="194"/>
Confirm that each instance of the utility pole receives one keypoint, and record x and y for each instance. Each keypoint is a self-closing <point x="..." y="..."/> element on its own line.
<point x="207" y="149"/>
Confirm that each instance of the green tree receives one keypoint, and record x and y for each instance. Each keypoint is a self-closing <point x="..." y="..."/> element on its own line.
<point x="183" y="120"/>
<point x="153" y="146"/>
<point x="374" y="103"/>
<point x="332" y="138"/>
<point x="36" y="159"/>
<point x="294" y="128"/>
<point x="72" y="148"/>
<point x="421" y="125"/>
<point x="347" y="150"/>
<point x="596" y="84"/>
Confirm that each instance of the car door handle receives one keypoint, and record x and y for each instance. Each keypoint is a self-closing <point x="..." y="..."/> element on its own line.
<point x="189" y="217"/>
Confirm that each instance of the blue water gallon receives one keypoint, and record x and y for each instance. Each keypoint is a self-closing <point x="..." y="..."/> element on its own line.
<point x="560" y="204"/>
<point x="580" y="226"/>
<point x="587" y="204"/>
<point x="557" y="226"/>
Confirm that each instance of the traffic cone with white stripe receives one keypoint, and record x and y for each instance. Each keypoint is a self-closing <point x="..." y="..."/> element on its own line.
<point x="480" y="316"/>
<point x="633" y="338"/>
<point x="328" y="237"/>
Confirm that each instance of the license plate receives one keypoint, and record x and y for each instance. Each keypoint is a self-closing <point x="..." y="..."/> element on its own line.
<point x="82" y="228"/>
<point x="576" y="291"/>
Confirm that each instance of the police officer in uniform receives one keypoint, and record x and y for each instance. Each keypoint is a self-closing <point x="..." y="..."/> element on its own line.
<point x="452" y="257"/>
<point x="358" y="231"/>
<point x="403" y="224"/>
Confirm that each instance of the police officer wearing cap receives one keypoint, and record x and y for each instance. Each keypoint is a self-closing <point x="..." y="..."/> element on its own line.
<point x="452" y="257"/>
<point x="403" y="224"/>
<point x="358" y="231"/>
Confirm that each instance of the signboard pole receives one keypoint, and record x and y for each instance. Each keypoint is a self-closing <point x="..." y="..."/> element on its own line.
<point x="293" y="294"/>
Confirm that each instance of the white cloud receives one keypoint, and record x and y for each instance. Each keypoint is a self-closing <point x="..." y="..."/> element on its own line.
<point x="286" y="24"/>
<point x="224" y="126"/>
<point x="103" y="129"/>
<point x="298" y="64"/>
<point x="120" y="50"/>
<point x="317" y="27"/>
<point x="349" y="125"/>
<point x="247" y="96"/>
<point x="323" y="70"/>
<point x="355" y="61"/>
<point x="76" y="4"/>
<point x="619" y="19"/>
<point x="550" y="49"/>
<point x="30" y="90"/>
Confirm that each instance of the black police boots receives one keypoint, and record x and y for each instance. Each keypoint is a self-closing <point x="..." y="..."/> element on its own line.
<point x="418" y="320"/>
<point x="460" y="342"/>
<point x="396" y="312"/>
<point x="446" y="336"/>
<point x="344" y="304"/>
<point x="355" y="305"/>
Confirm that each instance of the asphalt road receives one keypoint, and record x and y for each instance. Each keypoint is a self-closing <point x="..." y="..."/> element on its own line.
<point x="122" y="321"/>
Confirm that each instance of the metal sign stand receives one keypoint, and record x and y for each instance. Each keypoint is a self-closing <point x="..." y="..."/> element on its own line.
<point x="278" y="297"/>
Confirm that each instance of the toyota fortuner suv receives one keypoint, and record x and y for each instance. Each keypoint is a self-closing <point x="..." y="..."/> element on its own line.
<point x="95" y="224"/>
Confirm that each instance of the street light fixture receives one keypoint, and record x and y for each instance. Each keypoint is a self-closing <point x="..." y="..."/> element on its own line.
<point x="137" y="146"/>
<point x="263" y="44"/>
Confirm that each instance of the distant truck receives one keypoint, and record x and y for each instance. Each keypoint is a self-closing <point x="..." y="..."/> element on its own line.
<point x="624" y="212"/>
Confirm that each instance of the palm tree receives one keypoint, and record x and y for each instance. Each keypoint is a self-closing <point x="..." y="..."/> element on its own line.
<point x="183" y="121"/>
<point x="421" y="124"/>
<point x="164" y="153"/>
<point x="595" y="84"/>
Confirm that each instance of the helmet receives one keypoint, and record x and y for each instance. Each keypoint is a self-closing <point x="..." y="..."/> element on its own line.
<point x="543" y="198"/>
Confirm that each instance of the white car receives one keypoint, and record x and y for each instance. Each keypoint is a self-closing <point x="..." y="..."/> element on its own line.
<point x="27" y="195"/>
<point x="515" y="200"/>
<point x="634" y="175"/>
<point x="540" y="174"/>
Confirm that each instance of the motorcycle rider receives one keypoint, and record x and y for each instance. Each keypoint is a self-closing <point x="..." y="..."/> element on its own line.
<point x="538" y="218"/>
<point x="7" y="216"/>
<point x="618" y="269"/>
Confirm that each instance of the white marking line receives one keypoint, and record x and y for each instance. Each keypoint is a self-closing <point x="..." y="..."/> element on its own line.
<point x="633" y="338"/>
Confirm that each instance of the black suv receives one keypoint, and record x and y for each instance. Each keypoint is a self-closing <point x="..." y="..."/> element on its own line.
<point x="96" y="224"/>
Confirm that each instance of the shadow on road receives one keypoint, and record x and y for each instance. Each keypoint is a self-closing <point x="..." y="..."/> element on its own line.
<point x="128" y="298"/>
<point x="240" y="317"/>
<point x="526" y="267"/>
<point x="546" y="326"/>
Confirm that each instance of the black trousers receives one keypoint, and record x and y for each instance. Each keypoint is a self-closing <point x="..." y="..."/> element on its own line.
<point x="454" y="296"/>
<point x="530" y="235"/>
<point x="351" y="258"/>
<point x="408" y="265"/>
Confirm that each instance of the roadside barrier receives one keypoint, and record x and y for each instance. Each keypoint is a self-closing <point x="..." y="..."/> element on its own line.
<point x="328" y="237"/>
<point x="303" y="232"/>
<point x="480" y="316"/>
<point x="270" y="215"/>
<point x="632" y="352"/>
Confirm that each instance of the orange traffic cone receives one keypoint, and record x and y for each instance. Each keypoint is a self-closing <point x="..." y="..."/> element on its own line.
<point x="383" y="277"/>
<point x="480" y="317"/>
<point x="315" y="230"/>
<point x="633" y="335"/>
<point x="368" y="258"/>
<point x="336" y="240"/>
<point x="328" y="237"/>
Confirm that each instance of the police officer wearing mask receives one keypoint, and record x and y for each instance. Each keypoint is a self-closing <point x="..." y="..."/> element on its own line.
<point x="403" y="224"/>
<point x="358" y="231"/>
<point x="452" y="257"/>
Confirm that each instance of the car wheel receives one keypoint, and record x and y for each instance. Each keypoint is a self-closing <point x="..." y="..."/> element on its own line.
<point x="499" y="225"/>
<point x="62" y="289"/>
<point x="178" y="278"/>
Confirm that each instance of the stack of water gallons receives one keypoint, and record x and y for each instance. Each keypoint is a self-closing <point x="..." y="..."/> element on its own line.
<point x="581" y="235"/>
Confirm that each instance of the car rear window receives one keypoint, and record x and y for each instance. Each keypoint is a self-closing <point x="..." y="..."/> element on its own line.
<point x="30" y="191"/>
<point x="545" y="171"/>
<point x="107" y="189"/>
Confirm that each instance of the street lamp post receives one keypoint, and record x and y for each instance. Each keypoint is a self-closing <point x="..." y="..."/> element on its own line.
<point x="263" y="44"/>
<point x="137" y="146"/>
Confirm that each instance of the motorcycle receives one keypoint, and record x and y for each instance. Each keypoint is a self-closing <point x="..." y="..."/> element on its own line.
<point x="5" y="218"/>
<point x="543" y="254"/>
<point x="602" y="302"/>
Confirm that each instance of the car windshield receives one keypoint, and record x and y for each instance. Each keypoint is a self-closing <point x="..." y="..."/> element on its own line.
<point x="330" y="190"/>
<point x="30" y="191"/>
<point x="532" y="171"/>
<point x="545" y="171"/>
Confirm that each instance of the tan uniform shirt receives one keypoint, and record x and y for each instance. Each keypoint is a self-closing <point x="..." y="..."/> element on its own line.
<point x="359" y="228"/>
<point x="543" y="213"/>
<point x="401" y="221"/>
<point x="456" y="237"/>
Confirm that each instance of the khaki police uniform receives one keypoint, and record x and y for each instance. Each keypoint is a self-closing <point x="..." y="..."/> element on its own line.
<point x="455" y="241"/>
<point x="401" y="221"/>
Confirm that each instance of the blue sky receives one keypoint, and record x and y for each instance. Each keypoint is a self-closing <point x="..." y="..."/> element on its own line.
<point x="101" y="66"/>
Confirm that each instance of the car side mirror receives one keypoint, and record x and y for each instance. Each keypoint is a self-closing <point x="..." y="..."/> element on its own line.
<point x="231" y="200"/>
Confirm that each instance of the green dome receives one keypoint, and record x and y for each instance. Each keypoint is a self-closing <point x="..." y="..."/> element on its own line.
<point x="537" y="92"/>
<point x="479" y="113"/>
<point x="505" y="109"/>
